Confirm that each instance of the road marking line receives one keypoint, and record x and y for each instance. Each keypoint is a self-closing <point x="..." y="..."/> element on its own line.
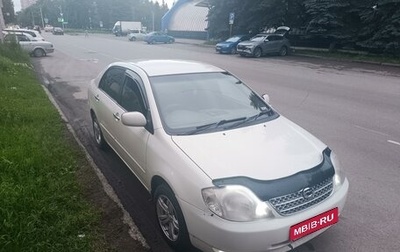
<point x="393" y="142"/>
<point x="371" y="130"/>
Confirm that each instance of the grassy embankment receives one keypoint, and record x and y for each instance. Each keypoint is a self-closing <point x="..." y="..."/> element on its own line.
<point x="42" y="207"/>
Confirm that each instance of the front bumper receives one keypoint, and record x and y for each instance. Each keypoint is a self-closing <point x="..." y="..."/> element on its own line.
<point x="49" y="50"/>
<point x="211" y="233"/>
<point x="222" y="49"/>
<point x="246" y="51"/>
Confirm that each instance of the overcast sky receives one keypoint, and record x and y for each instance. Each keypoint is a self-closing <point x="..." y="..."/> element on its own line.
<point x="17" y="3"/>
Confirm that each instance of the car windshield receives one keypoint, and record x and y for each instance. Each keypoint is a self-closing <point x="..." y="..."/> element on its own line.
<point x="233" y="39"/>
<point x="258" y="38"/>
<point x="207" y="102"/>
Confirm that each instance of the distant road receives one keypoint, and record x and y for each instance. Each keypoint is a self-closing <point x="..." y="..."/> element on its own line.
<point x="353" y="108"/>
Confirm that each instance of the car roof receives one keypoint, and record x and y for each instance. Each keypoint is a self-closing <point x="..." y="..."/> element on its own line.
<point x="26" y="32"/>
<point x="21" y="32"/>
<point x="268" y="34"/>
<point x="161" y="67"/>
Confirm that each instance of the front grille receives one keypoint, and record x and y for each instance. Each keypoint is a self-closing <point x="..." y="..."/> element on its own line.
<point x="295" y="202"/>
<point x="241" y="47"/>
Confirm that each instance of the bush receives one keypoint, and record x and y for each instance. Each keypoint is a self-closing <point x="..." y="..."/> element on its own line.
<point x="13" y="52"/>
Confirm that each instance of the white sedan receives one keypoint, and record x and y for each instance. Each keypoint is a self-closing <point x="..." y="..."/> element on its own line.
<point x="226" y="171"/>
<point x="37" y="48"/>
<point x="135" y="35"/>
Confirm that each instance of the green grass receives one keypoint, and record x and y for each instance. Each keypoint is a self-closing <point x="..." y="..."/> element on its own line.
<point x="41" y="203"/>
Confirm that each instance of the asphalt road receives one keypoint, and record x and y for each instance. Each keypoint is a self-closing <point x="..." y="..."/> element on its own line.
<point x="354" y="108"/>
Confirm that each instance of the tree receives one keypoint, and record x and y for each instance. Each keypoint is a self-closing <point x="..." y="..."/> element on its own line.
<point x="8" y="12"/>
<point x="326" y="20"/>
<point x="381" y="29"/>
<point x="86" y="14"/>
<point x="252" y="16"/>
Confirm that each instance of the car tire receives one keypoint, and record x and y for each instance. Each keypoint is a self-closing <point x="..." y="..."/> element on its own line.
<point x="242" y="55"/>
<point x="171" y="41"/>
<point x="170" y="219"/>
<point x="257" y="52"/>
<point x="98" y="135"/>
<point x="233" y="50"/>
<point x="283" y="51"/>
<point x="38" y="52"/>
<point x="153" y="41"/>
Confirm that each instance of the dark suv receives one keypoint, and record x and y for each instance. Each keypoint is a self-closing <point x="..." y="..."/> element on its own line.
<point x="266" y="43"/>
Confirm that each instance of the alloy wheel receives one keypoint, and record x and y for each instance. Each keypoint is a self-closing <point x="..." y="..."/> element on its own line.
<point x="167" y="218"/>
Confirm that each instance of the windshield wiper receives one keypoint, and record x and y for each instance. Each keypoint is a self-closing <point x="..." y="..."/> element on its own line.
<point x="252" y="118"/>
<point x="214" y="125"/>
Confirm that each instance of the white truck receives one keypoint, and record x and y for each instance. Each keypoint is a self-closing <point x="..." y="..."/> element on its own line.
<point x="122" y="28"/>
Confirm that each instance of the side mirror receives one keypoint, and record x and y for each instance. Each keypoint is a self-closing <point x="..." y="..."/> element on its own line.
<point x="133" y="119"/>
<point x="265" y="97"/>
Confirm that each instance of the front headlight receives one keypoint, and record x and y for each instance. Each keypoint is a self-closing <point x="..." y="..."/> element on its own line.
<point x="235" y="203"/>
<point x="339" y="177"/>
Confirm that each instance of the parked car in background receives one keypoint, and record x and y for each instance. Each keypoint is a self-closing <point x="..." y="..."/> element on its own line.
<point x="28" y="43"/>
<point x="58" y="31"/>
<point x="48" y="28"/>
<point x="134" y="35"/>
<point x="229" y="45"/>
<point x="225" y="170"/>
<point x="266" y="43"/>
<point x="158" y="37"/>
<point x="33" y="33"/>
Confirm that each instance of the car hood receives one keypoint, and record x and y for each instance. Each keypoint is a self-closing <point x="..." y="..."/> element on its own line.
<point x="266" y="151"/>
<point x="225" y="43"/>
<point x="249" y="43"/>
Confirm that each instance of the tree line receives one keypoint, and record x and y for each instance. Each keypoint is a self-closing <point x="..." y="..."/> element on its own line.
<point x="371" y="25"/>
<point x="90" y="14"/>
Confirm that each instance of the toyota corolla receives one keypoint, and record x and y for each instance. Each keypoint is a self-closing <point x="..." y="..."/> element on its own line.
<point x="227" y="172"/>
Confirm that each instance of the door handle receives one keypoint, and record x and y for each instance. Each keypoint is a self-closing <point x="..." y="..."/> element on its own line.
<point x="117" y="116"/>
<point x="96" y="97"/>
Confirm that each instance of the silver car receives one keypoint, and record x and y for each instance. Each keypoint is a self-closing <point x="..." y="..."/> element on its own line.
<point x="134" y="35"/>
<point x="37" y="48"/>
<point x="225" y="170"/>
<point x="266" y="43"/>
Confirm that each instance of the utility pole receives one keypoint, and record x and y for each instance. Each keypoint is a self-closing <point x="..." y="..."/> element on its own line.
<point x="152" y="18"/>
<point x="41" y="16"/>
<point x="2" y="25"/>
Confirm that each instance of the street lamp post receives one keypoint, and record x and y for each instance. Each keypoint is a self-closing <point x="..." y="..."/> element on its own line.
<point x="2" y="25"/>
<point x="41" y="16"/>
<point x="152" y="19"/>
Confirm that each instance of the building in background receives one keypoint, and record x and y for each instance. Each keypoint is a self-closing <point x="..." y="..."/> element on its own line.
<point x="26" y="3"/>
<point x="187" y="19"/>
